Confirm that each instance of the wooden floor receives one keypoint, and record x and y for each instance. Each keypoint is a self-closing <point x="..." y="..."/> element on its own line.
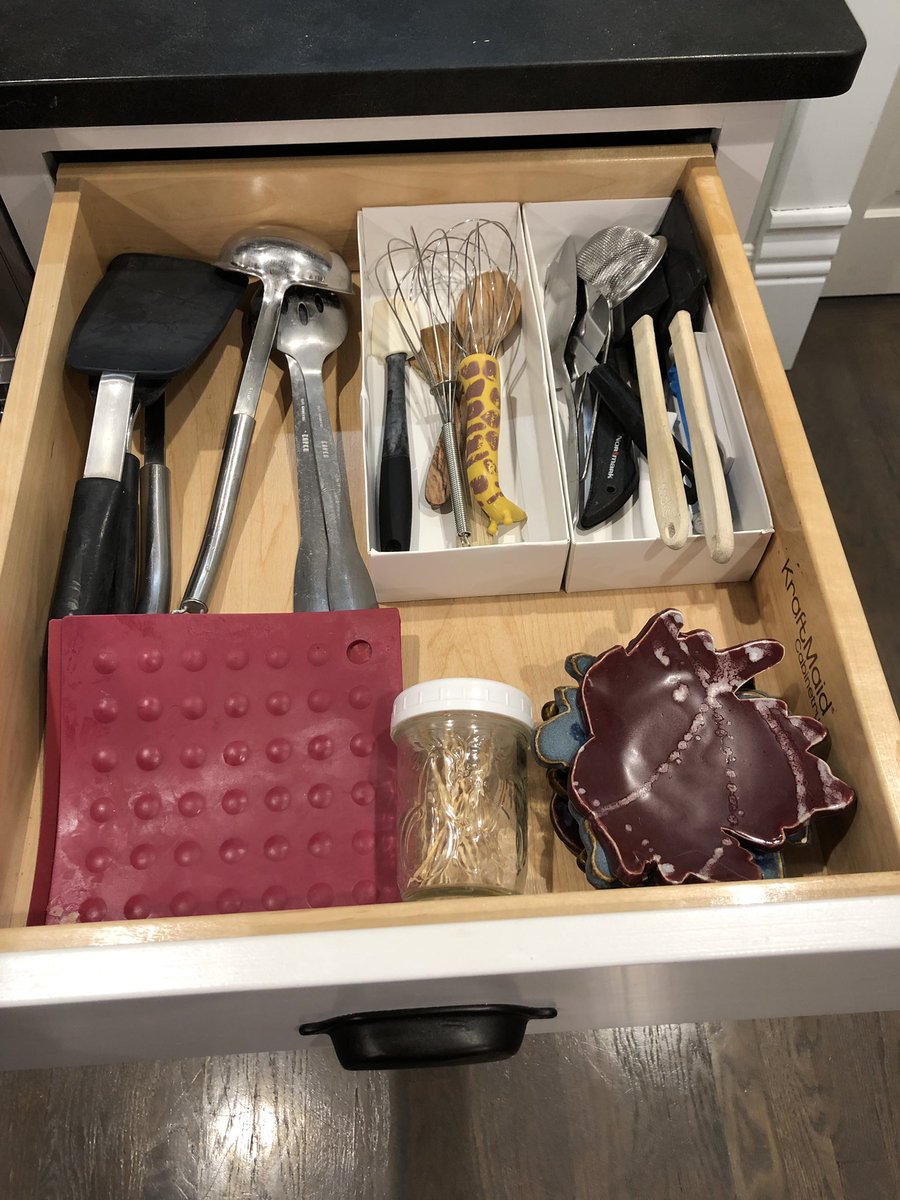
<point x="847" y="385"/>
<point x="765" y="1110"/>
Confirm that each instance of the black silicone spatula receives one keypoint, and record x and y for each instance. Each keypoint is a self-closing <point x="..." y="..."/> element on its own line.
<point x="684" y="268"/>
<point x="151" y="317"/>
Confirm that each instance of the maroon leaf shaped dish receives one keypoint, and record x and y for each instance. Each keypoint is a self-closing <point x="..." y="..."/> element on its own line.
<point x="678" y="771"/>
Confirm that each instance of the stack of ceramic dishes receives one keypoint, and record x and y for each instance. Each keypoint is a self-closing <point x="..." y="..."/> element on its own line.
<point x="667" y="765"/>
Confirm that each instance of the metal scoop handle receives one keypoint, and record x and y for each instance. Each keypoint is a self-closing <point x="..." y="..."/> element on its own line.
<point x="221" y="514"/>
<point x="234" y="459"/>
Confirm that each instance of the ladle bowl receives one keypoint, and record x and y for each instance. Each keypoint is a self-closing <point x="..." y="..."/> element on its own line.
<point x="277" y="252"/>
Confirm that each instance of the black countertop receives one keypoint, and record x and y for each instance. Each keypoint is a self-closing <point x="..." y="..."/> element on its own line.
<point x="113" y="62"/>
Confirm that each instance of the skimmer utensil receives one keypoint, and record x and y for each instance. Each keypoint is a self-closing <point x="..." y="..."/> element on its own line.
<point x="612" y="264"/>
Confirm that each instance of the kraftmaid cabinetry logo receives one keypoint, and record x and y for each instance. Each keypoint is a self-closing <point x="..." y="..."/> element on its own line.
<point x="804" y="647"/>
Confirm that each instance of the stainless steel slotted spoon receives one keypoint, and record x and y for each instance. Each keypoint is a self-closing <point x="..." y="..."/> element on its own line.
<point x="312" y="325"/>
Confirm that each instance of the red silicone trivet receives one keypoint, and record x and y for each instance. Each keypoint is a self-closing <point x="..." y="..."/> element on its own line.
<point x="218" y="763"/>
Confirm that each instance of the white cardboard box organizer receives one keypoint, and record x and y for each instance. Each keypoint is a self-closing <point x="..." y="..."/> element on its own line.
<point x="627" y="551"/>
<point x="524" y="558"/>
<point x="548" y="550"/>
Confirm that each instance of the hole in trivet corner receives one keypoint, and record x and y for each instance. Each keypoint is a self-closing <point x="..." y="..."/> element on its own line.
<point x="359" y="651"/>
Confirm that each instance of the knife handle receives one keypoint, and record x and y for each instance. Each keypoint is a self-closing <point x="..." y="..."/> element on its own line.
<point x="622" y="401"/>
<point x="614" y="476"/>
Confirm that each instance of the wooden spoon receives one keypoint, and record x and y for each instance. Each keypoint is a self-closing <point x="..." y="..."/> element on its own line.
<point x="487" y="312"/>
<point x="437" y="349"/>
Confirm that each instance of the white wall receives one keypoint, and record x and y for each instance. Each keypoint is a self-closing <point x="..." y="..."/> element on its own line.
<point x="799" y="225"/>
<point x="830" y="137"/>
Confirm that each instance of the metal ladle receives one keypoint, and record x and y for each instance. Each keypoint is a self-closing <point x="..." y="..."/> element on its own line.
<point x="280" y="258"/>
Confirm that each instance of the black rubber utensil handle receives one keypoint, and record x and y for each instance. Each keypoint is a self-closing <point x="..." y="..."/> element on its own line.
<point x="125" y="572"/>
<point x="394" y="504"/>
<point x="85" y="578"/>
<point x="614" y="474"/>
<point x="626" y="407"/>
<point x="395" y="483"/>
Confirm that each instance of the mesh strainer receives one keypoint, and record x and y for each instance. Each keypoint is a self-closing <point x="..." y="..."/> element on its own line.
<point x="617" y="260"/>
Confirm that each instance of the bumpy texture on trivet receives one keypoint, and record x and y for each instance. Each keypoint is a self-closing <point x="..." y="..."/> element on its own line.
<point x="218" y="764"/>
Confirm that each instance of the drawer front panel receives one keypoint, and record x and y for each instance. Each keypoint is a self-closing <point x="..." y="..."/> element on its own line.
<point x="251" y="994"/>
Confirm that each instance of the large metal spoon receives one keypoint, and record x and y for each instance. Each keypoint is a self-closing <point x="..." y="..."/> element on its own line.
<point x="279" y="258"/>
<point x="313" y="324"/>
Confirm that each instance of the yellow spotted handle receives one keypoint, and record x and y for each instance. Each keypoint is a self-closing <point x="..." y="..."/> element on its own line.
<point x="479" y="375"/>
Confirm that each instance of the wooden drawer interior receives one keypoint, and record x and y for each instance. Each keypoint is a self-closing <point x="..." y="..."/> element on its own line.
<point x="190" y="209"/>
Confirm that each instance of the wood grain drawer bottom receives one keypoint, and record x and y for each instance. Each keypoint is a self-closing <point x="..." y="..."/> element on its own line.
<point x="828" y="940"/>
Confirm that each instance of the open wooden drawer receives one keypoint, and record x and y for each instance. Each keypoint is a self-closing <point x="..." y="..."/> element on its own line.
<point x="828" y="941"/>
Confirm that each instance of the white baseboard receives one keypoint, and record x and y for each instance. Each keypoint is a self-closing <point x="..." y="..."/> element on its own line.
<point x="790" y="261"/>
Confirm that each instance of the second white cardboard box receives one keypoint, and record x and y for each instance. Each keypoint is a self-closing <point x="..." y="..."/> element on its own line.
<point x="627" y="551"/>
<point x="523" y="558"/>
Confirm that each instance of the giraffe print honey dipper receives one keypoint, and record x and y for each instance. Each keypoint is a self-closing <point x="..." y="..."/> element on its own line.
<point x="486" y="313"/>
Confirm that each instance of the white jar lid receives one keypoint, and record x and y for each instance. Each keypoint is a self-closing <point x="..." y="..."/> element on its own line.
<point x="455" y="695"/>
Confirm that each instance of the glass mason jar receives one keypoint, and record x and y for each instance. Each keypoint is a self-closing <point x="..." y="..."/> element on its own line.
<point x="462" y="761"/>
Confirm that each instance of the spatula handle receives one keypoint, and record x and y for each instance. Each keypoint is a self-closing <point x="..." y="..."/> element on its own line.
<point x="88" y="561"/>
<point x="669" y="503"/>
<point x="712" y="491"/>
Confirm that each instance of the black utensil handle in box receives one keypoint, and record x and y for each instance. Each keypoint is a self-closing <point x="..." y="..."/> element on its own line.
<point x="84" y="583"/>
<point x="614" y="474"/>
<point x="428" y="1037"/>
<point x="395" y="481"/>
<point x="395" y="504"/>
<point x="626" y="407"/>
<point x="125" y="572"/>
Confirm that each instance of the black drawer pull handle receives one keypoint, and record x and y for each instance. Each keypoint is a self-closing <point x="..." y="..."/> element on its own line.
<point x="428" y="1037"/>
